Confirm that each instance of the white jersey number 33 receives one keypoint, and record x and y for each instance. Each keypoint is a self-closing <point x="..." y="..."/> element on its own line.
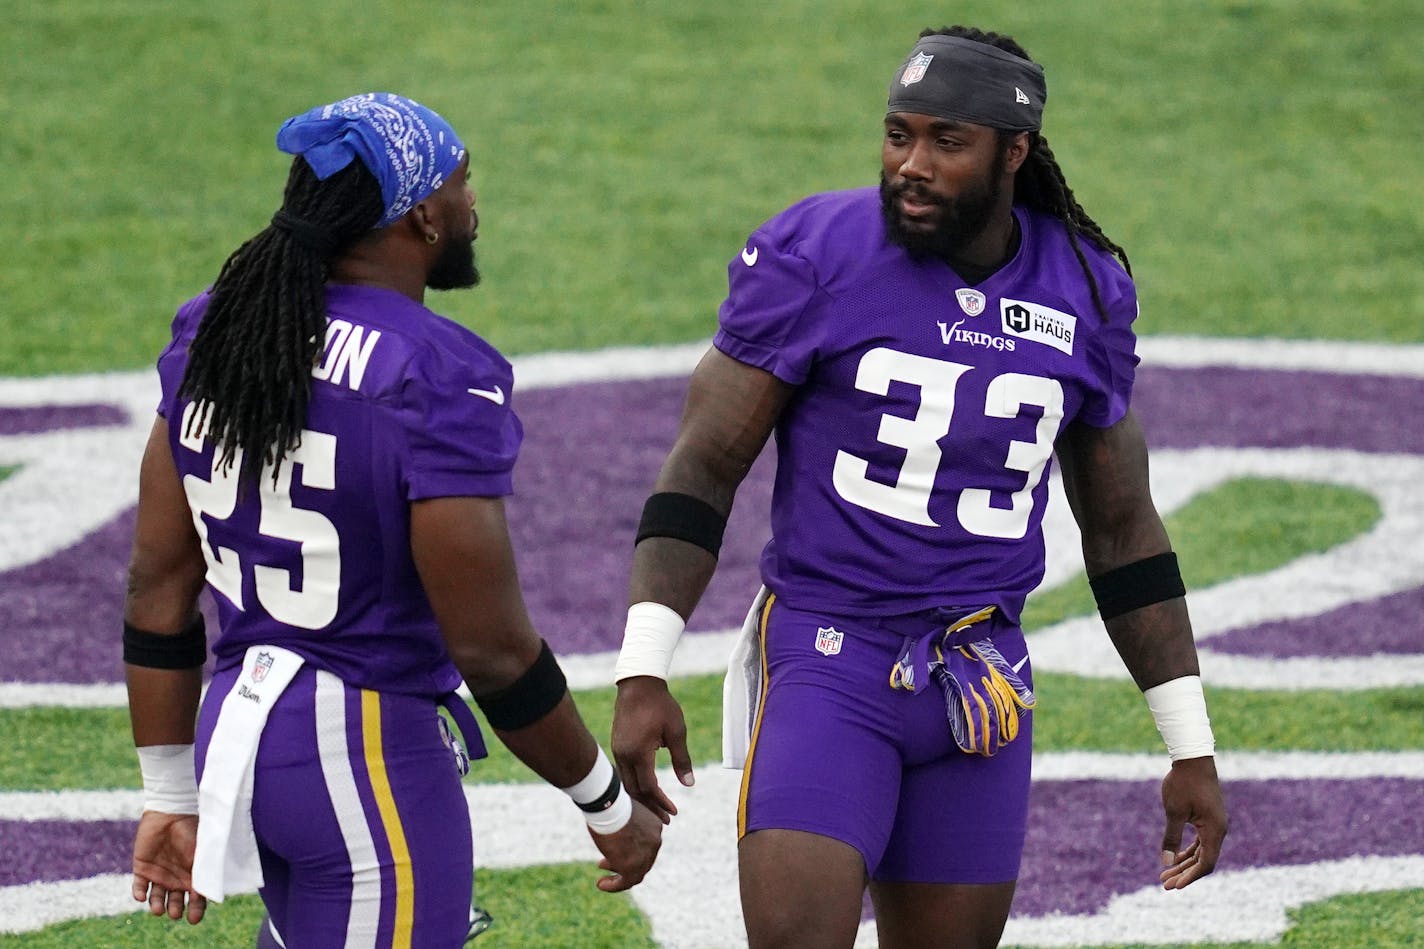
<point x="908" y="499"/>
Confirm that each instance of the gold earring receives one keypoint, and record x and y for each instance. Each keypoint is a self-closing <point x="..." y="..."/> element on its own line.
<point x="431" y="238"/>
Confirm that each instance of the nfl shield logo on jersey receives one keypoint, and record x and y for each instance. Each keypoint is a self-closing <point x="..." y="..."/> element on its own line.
<point x="828" y="640"/>
<point x="261" y="666"/>
<point x="915" y="69"/>
<point x="971" y="301"/>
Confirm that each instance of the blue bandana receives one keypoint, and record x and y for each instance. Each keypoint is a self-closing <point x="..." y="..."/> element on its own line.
<point x="411" y="150"/>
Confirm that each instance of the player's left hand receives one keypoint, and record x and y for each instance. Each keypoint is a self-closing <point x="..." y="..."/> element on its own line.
<point x="163" y="865"/>
<point x="629" y="853"/>
<point x="1191" y="794"/>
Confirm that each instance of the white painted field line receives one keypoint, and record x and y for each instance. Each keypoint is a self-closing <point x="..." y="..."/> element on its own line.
<point x="691" y="898"/>
<point x="1228" y="906"/>
<point x="1311" y="355"/>
<point x="520" y="798"/>
<point x="37" y="905"/>
<point x="62" y="695"/>
<point x="39" y="497"/>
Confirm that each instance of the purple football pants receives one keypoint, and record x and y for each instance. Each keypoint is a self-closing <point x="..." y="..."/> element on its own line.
<point x="837" y="752"/>
<point x="361" y="822"/>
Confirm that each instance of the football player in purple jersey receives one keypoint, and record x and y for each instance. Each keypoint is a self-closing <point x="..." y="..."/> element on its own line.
<point x="920" y="351"/>
<point x="331" y="458"/>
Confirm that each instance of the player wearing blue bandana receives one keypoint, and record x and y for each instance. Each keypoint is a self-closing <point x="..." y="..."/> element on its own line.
<point x="331" y="458"/>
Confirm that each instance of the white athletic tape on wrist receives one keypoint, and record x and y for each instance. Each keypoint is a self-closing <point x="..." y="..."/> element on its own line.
<point x="595" y="786"/>
<point x="169" y="786"/>
<point x="1179" y="709"/>
<point x="649" y="639"/>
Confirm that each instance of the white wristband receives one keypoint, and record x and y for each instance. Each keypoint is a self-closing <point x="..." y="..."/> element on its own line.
<point x="648" y="641"/>
<point x="606" y="806"/>
<point x="168" y="783"/>
<point x="615" y="818"/>
<point x="1179" y="709"/>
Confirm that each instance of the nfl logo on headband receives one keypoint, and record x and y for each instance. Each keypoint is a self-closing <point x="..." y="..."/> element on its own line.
<point x="915" y="70"/>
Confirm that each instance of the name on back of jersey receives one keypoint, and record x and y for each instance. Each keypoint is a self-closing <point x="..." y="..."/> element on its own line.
<point x="347" y="353"/>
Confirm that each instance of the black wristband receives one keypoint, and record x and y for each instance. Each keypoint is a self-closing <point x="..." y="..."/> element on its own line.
<point x="1137" y="584"/>
<point x="532" y="696"/>
<point x="605" y="800"/>
<point x="182" y="650"/>
<point x="683" y="517"/>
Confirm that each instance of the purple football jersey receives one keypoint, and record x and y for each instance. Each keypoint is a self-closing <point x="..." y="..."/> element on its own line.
<point x="405" y="405"/>
<point x="913" y="459"/>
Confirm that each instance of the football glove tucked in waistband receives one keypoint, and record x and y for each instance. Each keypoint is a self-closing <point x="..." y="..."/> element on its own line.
<point x="983" y="695"/>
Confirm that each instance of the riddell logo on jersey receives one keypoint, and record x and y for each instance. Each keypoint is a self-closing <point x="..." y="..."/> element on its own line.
<point x="1039" y="323"/>
<point x="953" y="334"/>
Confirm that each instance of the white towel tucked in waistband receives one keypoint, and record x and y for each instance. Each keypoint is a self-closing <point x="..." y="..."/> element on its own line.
<point x="741" y="690"/>
<point x="226" y="859"/>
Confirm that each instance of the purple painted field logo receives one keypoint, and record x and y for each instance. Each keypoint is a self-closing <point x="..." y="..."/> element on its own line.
<point x="1340" y="619"/>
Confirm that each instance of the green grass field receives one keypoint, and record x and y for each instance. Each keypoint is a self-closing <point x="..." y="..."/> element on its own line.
<point x="1261" y="162"/>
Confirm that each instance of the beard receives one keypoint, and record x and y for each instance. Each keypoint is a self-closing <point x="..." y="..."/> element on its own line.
<point x="960" y="219"/>
<point x="455" y="267"/>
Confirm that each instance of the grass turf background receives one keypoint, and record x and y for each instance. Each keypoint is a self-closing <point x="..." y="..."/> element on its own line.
<point x="1259" y="160"/>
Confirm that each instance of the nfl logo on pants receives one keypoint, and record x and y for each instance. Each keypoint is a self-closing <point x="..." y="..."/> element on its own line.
<point x="261" y="666"/>
<point x="828" y="640"/>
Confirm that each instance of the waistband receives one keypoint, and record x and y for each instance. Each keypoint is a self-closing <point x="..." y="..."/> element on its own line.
<point x="467" y="723"/>
<point x="956" y="624"/>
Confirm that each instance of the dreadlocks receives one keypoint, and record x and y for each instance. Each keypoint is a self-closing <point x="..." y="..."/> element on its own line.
<point x="249" y="367"/>
<point x="1039" y="183"/>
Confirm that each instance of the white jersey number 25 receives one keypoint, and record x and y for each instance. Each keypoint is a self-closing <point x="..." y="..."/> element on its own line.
<point x="315" y="604"/>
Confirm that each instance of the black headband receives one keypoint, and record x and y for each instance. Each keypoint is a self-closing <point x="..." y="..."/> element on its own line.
<point x="955" y="78"/>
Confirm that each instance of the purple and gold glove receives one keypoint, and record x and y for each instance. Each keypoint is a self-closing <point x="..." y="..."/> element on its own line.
<point x="984" y="696"/>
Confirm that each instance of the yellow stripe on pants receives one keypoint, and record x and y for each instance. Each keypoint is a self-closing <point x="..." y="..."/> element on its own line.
<point x="756" y="728"/>
<point x="390" y="819"/>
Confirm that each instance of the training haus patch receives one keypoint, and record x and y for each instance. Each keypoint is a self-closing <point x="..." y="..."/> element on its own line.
<point x="1041" y="324"/>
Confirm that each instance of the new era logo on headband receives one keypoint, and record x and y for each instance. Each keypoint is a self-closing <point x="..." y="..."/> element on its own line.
<point x="915" y="69"/>
<point x="1019" y="96"/>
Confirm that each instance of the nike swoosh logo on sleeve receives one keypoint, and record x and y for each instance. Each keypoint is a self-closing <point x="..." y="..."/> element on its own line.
<point x="495" y="395"/>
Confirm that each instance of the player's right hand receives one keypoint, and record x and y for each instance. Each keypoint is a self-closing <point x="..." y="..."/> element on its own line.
<point x="645" y="718"/>
<point x="1191" y="794"/>
<point x="629" y="853"/>
<point x="163" y="864"/>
